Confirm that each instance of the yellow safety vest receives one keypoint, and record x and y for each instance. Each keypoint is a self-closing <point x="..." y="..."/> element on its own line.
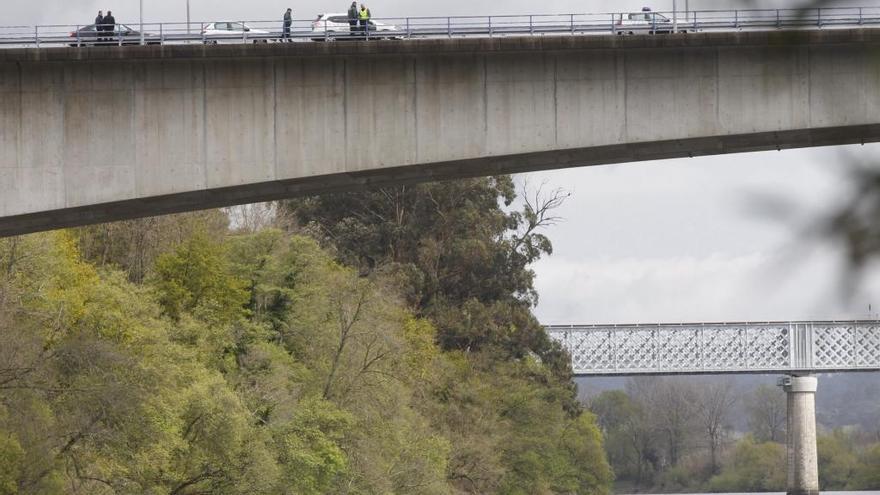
<point x="364" y="14"/>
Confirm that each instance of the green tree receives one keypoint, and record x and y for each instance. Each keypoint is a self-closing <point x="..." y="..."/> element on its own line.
<point x="134" y="245"/>
<point x="463" y="260"/>
<point x="837" y="462"/>
<point x="754" y="467"/>
<point x="196" y="278"/>
<point x="867" y="474"/>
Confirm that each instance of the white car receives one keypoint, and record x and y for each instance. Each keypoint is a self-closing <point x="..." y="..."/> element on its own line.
<point x="644" y="22"/>
<point x="234" y="32"/>
<point x="337" y="25"/>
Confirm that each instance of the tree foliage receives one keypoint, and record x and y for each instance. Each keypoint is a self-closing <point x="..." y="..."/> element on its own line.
<point x="258" y="363"/>
<point x="459" y="251"/>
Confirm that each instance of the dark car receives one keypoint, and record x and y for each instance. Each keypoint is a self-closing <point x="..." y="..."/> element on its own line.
<point x="121" y="34"/>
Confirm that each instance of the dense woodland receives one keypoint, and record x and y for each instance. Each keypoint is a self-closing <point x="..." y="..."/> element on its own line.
<point x="378" y="342"/>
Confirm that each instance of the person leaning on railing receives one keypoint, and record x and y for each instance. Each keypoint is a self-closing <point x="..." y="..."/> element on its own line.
<point x="364" y="18"/>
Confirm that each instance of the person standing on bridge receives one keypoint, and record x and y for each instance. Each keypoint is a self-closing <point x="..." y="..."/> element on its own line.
<point x="99" y="24"/>
<point x="353" y="17"/>
<point x="109" y="24"/>
<point x="288" y="20"/>
<point x="364" y="18"/>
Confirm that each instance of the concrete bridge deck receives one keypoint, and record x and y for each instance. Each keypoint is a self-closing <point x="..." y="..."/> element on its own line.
<point x="108" y="133"/>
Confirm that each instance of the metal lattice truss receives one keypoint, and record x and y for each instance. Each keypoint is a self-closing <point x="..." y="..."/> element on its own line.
<point x="714" y="348"/>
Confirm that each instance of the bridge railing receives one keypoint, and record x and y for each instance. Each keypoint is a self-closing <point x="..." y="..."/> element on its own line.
<point x="451" y="26"/>
<point x="712" y="348"/>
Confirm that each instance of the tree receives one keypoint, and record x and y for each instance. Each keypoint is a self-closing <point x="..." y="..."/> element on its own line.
<point x="867" y="474"/>
<point x="755" y="467"/>
<point x="630" y="443"/>
<point x="767" y="414"/>
<point x="256" y="363"/>
<point x="462" y="259"/>
<point x="837" y="462"/>
<point x="134" y="245"/>
<point x="196" y="278"/>
<point x="673" y="414"/>
<point x="715" y="401"/>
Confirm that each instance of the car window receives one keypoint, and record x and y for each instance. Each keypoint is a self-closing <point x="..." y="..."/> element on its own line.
<point x="236" y="26"/>
<point x="122" y="28"/>
<point x="339" y="19"/>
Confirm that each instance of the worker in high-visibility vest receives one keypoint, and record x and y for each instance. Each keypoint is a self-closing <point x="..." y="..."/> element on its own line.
<point x="364" y="17"/>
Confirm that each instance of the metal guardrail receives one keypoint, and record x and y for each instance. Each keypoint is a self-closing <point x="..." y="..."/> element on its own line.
<point x="720" y="348"/>
<point x="454" y="26"/>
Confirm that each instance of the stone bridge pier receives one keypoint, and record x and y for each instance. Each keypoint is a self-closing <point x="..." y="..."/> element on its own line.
<point x="803" y="462"/>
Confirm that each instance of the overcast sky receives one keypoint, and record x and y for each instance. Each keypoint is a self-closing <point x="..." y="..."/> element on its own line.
<point x="689" y="240"/>
<point x="678" y="240"/>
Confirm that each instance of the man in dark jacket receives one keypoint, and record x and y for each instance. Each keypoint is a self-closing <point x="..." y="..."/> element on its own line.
<point x="288" y="20"/>
<point x="353" y="17"/>
<point x="109" y="24"/>
<point x="99" y="25"/>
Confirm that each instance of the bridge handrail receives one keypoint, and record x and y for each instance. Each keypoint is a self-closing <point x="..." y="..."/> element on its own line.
<point x="455" y="26"/>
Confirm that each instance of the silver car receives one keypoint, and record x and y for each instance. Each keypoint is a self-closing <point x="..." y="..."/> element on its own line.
<point x="337" y="26"/>
<point x="233" y="32"/>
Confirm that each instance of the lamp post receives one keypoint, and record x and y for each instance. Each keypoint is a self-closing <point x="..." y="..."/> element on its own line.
<point x="142" y="21"/>
<point x="674" y="17"/>
<point x="187" y="16"/>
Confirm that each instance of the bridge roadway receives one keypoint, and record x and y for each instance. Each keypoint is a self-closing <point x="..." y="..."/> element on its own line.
<point x="109" y="133"/>
<point x="796" y="349"/>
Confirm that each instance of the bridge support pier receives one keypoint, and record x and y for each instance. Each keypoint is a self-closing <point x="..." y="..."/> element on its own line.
<point x="803" y="464"/>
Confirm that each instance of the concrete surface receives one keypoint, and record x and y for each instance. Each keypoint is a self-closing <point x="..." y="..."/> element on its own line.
<point x="108" y="133"/>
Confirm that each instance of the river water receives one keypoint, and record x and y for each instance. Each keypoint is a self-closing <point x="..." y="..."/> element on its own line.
<point x="783" y="493"/>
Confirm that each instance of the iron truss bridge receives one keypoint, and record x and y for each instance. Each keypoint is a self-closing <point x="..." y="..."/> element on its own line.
<point x="335" y="27"/>
<point x="721" y="348"/>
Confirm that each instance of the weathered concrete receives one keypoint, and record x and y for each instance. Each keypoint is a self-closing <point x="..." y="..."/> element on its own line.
<point x="803" y="463"/>
<point x="107" y="133"/>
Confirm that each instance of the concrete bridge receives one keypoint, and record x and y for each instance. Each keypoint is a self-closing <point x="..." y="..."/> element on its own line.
<point x="799" y="350"/>
<point x="109" y="133"/>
